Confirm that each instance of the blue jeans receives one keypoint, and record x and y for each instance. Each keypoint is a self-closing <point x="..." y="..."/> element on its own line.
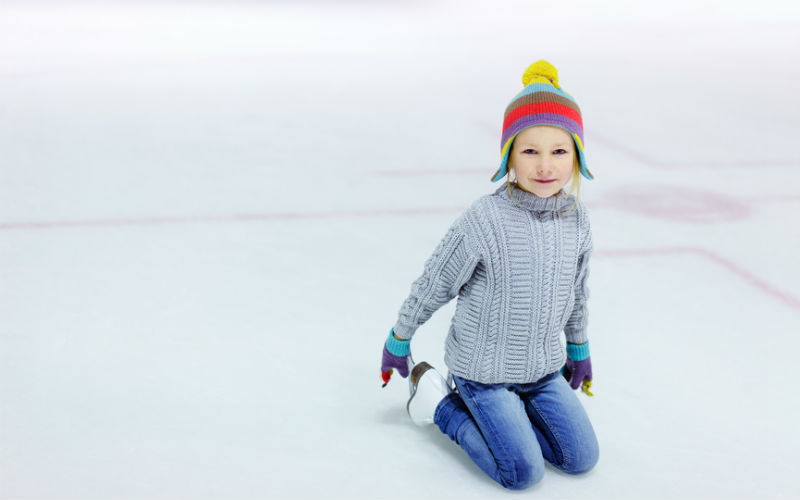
<point x="510" y="429"/>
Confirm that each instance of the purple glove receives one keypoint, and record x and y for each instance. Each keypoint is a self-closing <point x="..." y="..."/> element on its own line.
<point x="577" y="371"/>
<point x="395" y="355"/>
<point x="579" y="366"/>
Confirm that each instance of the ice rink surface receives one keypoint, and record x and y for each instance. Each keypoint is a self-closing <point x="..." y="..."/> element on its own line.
<point x="211" y="213"/>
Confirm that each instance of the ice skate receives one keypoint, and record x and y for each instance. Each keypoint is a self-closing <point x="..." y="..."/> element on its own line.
<point x="428" y="388"/>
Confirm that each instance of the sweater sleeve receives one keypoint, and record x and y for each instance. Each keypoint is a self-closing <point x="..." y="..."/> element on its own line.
<point x="445" y="272"/>
<point x="575" y="329"/>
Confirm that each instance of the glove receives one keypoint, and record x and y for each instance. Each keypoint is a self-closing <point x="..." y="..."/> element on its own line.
<point x="395" y="355"/>
<point x="578" y="370"/>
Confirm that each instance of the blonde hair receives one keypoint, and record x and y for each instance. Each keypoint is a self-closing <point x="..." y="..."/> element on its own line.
<point x="574" y="187"/>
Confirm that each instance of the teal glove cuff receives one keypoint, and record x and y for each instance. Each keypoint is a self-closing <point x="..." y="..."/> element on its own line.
<point x="397" y="347"/>
<point x="578" y="352"/>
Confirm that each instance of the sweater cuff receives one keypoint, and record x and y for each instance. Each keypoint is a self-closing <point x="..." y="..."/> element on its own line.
<point x="578" y="352"/>
<point x="402" y="331"/>
<point x="397" y="347"/>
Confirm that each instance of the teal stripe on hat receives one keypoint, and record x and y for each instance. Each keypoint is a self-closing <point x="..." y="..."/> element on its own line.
<point x="542" y="87"/>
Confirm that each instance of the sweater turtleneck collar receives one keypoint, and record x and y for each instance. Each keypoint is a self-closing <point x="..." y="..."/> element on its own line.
<point x="558" y="202"/>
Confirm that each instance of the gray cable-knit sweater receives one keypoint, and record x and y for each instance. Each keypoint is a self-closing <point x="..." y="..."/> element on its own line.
<point x="519" y="269"/>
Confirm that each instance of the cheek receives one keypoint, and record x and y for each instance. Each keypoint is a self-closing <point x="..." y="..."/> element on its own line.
<point x="569" y="167"/>
<point x="567" y="171"/>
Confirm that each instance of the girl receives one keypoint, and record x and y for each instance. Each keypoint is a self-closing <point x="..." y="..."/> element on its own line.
<point x="518" y="260"/>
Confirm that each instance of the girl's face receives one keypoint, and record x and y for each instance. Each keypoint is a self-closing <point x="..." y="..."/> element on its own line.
<point x="542" y="158"/>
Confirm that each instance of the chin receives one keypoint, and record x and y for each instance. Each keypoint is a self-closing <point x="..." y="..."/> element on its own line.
<point x="541" y="193"/>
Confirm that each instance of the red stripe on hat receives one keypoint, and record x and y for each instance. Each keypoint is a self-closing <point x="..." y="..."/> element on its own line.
<point x="541" y="107"/>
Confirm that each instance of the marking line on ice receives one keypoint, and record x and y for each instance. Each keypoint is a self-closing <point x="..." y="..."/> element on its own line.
<point x="192" y="219"/>
<point x="731" y="267"/>
<point x="753" y="280"/>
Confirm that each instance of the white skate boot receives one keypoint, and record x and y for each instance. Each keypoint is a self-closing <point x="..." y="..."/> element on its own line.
<point x="428" y="388"/>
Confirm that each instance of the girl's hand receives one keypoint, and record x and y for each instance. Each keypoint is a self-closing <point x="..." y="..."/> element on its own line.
<point x="395" y="355"/>
<point x="578" y="370"/>
<point x="579" y="373"/>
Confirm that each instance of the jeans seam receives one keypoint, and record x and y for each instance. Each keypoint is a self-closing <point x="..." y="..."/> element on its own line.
<point x="491" y="428"/>
<point x="554" y="432"/>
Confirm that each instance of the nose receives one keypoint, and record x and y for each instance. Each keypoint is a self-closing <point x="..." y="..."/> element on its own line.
<point x="544" y="167"/>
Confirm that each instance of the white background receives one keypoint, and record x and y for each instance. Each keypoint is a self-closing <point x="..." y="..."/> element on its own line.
<point x="210" y="214"/>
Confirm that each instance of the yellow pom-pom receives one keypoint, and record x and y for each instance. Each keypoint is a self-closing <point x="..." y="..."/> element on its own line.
<point x="540" y="72"/>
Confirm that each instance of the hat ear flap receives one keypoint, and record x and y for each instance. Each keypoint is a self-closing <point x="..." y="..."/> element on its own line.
<point x="505" y="156"/>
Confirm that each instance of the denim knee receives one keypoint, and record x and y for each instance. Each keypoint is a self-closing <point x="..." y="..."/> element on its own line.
<point x="585" y="459"/>
<point x="451" y="406"/>
<point x="523" y="473"/>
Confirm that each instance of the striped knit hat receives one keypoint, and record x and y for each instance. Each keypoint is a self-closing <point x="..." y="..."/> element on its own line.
<point x="541" y="102"/>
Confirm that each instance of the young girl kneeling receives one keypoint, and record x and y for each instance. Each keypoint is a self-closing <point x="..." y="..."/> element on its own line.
<point x="517" y="260"/>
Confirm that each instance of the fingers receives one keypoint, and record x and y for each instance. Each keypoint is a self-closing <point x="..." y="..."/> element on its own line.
<point x="577" y="378"/>
<point x="386" y="373"/>
<point x="386" y="376"/>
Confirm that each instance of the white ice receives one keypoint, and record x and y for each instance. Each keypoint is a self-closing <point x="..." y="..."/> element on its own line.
<point x="211" y="212"/>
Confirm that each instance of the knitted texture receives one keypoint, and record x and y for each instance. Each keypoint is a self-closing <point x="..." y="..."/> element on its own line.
<point x="541" y="102"/>
<point x="519" y="268"/>
<point x="397" y="347"/>
<point x="577" y="371"/>
<point x="578" y="352"/>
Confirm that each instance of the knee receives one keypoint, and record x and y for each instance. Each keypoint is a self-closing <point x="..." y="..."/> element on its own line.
<point x="522" y="474"/>
<point x="583" y="460"/>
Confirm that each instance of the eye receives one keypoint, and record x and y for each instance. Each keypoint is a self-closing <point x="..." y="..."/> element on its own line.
<point x="529" y="151"/>
<point x="560" y="151"/>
